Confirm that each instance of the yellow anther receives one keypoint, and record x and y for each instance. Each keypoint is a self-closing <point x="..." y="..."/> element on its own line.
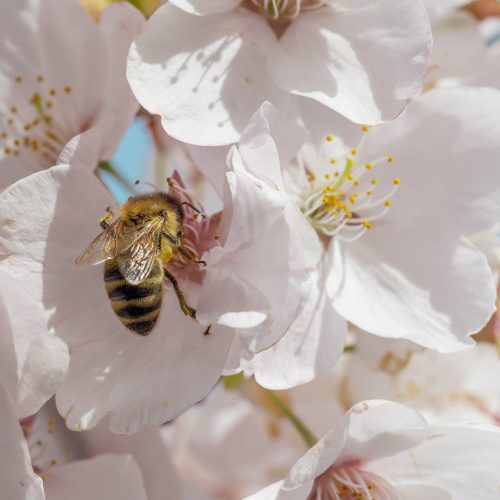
<point x="67" y="89"/>
<point x="52" y="92"/>
<point x="348" y="215"/>
<point x="397" y="181"/>
<point x="366" y="224"/>
<point x="17" y="142"/>
<point x="51" y="421"/>
<point x="53" y="462"/>
<point x="329" y="138"/>
<point x="369" y="193"/>
<point x="350" y="177"/>
<point x="13" y="110"/>
<point x="374" y="181"/>
<point x="365" y="128"/>
<point x="390" y="159"/>
<point x="327" y="176"/>
<point x="336" y="174"/>
<point x="19" y="79"/>
<point x="388" y="203"/>
<point x="354" y="152"/>
<point x="368" y="166"/>
<point x="352" y="199"/>
<point x="311" y="176"/>
<point x="333" y="160"/>
<point x="356" y="182"/>
<point x="7" y="151"/>
<point x="39" y="78"/>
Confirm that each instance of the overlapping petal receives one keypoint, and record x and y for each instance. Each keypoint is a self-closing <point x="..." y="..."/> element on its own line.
<point x="34" y="362"/>
<point x="204" y="75"/>
<point x="363" y="61"/>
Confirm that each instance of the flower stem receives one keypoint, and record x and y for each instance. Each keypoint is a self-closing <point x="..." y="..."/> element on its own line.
<point x="300" y="427"/>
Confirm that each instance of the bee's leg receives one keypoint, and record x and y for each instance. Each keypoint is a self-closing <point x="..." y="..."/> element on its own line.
<point x="186" y="309"/>
<point x="105" y="221"/>
<point x="190" y="255"/>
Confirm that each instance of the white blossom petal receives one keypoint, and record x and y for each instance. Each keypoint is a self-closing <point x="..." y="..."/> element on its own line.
<point x="363" y="61"/>
<point x="440" y="461"/>
<point x="18" y="481"/>
<point x="204" y="8"/>
<point x="110" y="477"/>
<point x="34" y="362"/>
<point x="205" y="76"/>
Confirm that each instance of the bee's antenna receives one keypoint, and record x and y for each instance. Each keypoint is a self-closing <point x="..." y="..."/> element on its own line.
<point x="194" y="208"/>
<point x="138" y="181"/>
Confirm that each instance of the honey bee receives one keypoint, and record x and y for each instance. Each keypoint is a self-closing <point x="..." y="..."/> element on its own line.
<point x="134" y="249"/>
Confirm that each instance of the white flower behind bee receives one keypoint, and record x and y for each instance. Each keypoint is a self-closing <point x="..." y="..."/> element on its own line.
<point x="52" y="89"/>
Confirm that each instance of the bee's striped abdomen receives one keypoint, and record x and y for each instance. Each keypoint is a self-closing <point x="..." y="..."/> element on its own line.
<point x="137" y="306"/>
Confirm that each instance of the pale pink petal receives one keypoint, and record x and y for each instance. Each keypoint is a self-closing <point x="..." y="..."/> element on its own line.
<point x="204" y="8"/>
<point x="17" y="479"/>
<point x="461" y="459"/>
<point x="311" y="345"/>
<point x="177" y="364"/>
<point x="453" y="182"/>
<point x="363" y="61"/>
<point x="161" y="479"/>
<point x="110" y="477"/>
<point x="437" y="8"/>
<point x="34" y="362"/>
<point x="119" y="24"/>
<point x="369" y="431"/>
<point x="205" y="76"/>
<point x="436" y="298"/>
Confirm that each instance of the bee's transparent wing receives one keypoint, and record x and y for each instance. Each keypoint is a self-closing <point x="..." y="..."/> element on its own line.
<point x="113" y="241"/>
<point x="137" y="261"/>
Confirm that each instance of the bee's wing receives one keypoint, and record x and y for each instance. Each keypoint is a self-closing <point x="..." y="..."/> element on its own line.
<point x="114" y="240"/>
<point x="137" y="261"/>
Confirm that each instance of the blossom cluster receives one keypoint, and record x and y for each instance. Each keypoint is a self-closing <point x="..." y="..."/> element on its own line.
<point x="249" y="249"/>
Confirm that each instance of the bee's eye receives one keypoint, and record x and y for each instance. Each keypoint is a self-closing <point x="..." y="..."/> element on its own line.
<point x="180" y="234"/>
<point x="163" y="213"/>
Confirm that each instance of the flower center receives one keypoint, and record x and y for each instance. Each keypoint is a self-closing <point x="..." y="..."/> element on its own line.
<point x="285" y="10"/>
<point x="346" y="201"/>
<point x="28" y="128"/>
<point x="200" y="232"/>
<point x="348" y="482"/>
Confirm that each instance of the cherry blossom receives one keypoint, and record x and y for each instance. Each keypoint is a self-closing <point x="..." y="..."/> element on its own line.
<point x="372" y="205"/>
<point x="206" y="67"/>
<point x="28" y="461"/>
<point x="176" y="365"/>
<point x="54" y="89"/>
<point x="381" y="449"/>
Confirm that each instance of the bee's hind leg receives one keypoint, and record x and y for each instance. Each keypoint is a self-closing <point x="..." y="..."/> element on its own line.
<point x="186" y="309"/>
<point x="105" y="221"/>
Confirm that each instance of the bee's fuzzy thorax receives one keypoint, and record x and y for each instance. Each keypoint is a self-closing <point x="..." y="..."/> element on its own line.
<point x="150" y="204"/>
